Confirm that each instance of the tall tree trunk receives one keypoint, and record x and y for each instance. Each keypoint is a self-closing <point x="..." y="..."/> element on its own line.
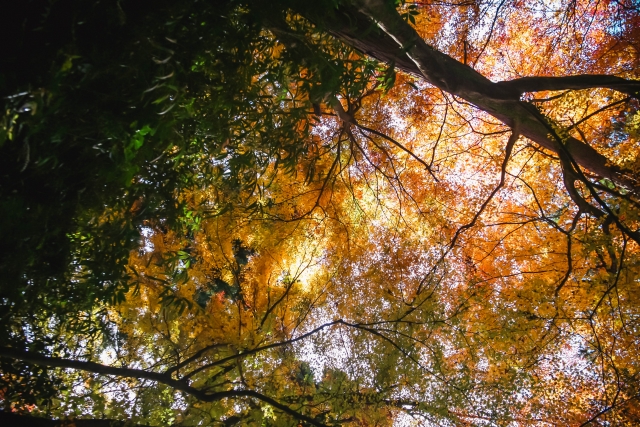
<point x="375" y="28"/>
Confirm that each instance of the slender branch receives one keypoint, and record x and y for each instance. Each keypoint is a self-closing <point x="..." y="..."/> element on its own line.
<point x="606" y="107"/>
<point x="275" y="304"/>
<point x="262" y="348"/>
<point x="615" y="282"/>
<point x="508" y="149"/>
<point x="569" y="258"/>
<point x="444" y="122"/>
<point x="493" y="24"/>
<point x="607" y="409"/>
<point x="402" y="147"/>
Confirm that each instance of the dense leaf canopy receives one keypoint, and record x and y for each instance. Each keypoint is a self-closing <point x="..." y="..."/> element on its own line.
<point x="274" y="213"/>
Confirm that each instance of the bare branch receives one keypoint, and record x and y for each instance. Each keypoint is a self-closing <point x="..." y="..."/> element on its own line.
<point x="512" y="140"/>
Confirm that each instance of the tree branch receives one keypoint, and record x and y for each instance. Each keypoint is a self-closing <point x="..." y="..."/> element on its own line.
<point x="56" y="362"/>
<point x="519" y="86"/>
<point x="509" y="148"/>
<point x="262" y="348"/>
<point x="375" y="28"/>
<point x="97" y="368"/>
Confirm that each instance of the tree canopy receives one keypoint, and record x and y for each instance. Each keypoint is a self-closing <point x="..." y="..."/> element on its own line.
<point x="366" y="212"/>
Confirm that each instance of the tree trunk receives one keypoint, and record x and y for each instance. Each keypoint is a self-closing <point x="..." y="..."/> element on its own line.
<point x="375" y="28"/>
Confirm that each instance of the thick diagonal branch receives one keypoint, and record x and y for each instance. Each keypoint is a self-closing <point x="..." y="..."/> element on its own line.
<point x="375" y="28"/>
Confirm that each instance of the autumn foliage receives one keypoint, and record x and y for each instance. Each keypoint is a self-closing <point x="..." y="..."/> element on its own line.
<point x="353" y="212"/>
